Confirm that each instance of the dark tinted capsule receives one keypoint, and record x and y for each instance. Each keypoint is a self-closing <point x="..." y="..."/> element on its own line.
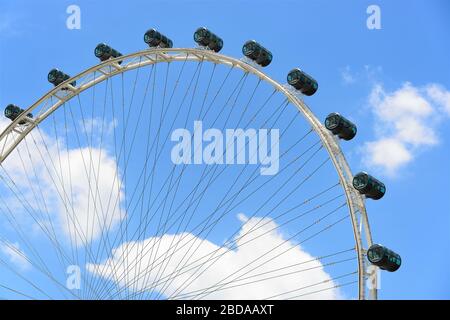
<point x="12" y="112"/>
<point x="369" y="186"/>
<point x="206" y="38"/>
<point x="156" y="39"/>
<point x="384" y="258"/>
<point x="57" y="77"/>
<point x="256" y="52"/>
<point x="105" y="52"/>
<point x="302" y="81"/>
<point x="340" y="126"/>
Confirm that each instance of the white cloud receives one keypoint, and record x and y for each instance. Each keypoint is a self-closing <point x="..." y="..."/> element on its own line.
<point x="82" y="220"/>
<point x="15" y="255"/>
<point x="387" y="153"/>
<point x="90" y="213"/>
<point x="266" y="239"/>
<point x="347" y="76"/>
<point x="440" y="96"/>
<point x="405" y="124"/>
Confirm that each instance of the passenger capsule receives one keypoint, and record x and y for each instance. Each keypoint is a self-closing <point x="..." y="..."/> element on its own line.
<point x="156" y="39"/>
<point x="384" y="258"/>
<point x="302" y="81"/>
<point x="12" y="112"/>
<point x="369" y="186"/>
<point x="105" y="52"/>
<point x="340" y="126"/>
<point x="256" y="52"/>
<point x="57" y="77"/>
<point x="206" y="38"/>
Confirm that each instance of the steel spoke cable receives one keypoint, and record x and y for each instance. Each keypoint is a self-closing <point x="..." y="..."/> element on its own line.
<point x="20" y="197"/>
<point x="43" y="268"/>
<point x="43" y="229"/>
<point x="194" y="91"/>
<point x="48" y="218"/>
<point x="84" y="166"/>
<point x="17" y="292"/>
<point x="200" y="117"/>
<point x="195" y="148"/>
<point x="107" y="227"/>
<point x="311" y="285"/>
<point x="145" y="164"/>
<point x="281" y="244"/>
<point x="157" y="139"/>
<point x="47" y="273"/>
<point x="91" y="163"/>
<point x="225" y="287"/>
<point x="329" y="288"/>
<point x="226" y="212"/>
<point x="178" y="111"/>
<point x="147" y="153"/>
<point x="214" y="251"/>
<point x="166" y="180"/>
<point x="72" y="246"/>
<point x="119" y="184"/>
<point x="267" y="232"/>
<point x="188" y="195"/>
<point x="232" y="247"/>
<point x="80" y="232"/>
<point x="125" y="120"/>
<point x="295" y="235"/>
<point x="22" y="256"/>
<point x="173" y="215"/>
<point x="255" y="213"/>
<point x="103" y="227"/>
<point x="323" y="257"/>
<point x="199" y="145"/>
<point x="91" y="143"/>
<point x="99" y="211"/>
<point x="163" y="113"/>
<point x="69" y="173"/>
<point x="116" y="169"/>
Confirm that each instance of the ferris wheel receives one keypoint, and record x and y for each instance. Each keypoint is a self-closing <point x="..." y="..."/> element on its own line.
<point x="183" y="173"/>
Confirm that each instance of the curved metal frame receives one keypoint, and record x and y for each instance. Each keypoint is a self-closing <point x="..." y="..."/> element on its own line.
<point x="41" y="109"/>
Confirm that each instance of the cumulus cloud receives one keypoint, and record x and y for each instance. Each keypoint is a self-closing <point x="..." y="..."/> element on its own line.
<point x="405" y="124"/>
<point x="266" y="241"/>
<point x="15" y="255"/>
<point x="77" y="184"/>
<point x="94" y="192"/>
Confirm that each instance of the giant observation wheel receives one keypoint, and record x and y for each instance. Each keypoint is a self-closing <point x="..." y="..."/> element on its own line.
<point x="142" y="226"/>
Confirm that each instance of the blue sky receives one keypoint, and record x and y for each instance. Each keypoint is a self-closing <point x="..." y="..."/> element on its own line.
<point x="362" y="74"/>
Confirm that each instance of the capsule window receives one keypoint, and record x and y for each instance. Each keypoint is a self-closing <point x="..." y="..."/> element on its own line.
<point x="360" y="181"/>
